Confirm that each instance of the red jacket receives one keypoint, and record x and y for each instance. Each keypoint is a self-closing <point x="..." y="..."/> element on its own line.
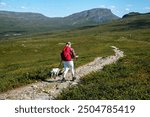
<point x="67" y="53"/>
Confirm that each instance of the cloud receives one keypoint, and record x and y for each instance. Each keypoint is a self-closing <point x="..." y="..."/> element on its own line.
<point x="127" y="9"/>
<point x="147" y="8"/>
<point x="117" y="11"/>
<point x="129" y="5"/>
<point x="23" y="7"/>
<point x="2" y="4"/>
<point x="102" y="6"/>
<point x="112" y="7"/>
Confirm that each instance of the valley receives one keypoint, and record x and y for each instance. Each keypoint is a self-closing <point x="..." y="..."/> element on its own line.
<point x="27" y="59"/>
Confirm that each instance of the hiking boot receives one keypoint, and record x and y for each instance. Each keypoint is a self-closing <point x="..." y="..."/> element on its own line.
<point x="63" y="80"/>
<point x="73" y="79"/>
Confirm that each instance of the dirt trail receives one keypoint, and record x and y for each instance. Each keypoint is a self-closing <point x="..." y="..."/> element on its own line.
<point x="48" y="90"/>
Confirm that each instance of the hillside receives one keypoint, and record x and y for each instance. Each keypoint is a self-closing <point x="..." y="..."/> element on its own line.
<point x="43" y="93"/>
<point x="24" y="23"/>
<point x="15" y="23"/>
<point x="133" y="21"/>
<point x="133" y="14"/>
<point x="128" y="78"/>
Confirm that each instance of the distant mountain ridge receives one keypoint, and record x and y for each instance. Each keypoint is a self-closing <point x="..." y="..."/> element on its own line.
<point x="131" y="14"/>
<point x="95" y="16"/>
<point x="11" y="14"/>
<point x="19" y="22"/>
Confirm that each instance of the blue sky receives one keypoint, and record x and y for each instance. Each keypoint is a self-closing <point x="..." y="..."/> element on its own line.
<point x="61" y="8"/>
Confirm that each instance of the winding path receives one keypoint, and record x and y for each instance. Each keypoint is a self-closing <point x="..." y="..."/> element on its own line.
<point x="49" y="89"/>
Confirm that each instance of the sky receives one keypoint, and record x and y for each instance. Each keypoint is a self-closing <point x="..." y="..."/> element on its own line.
<point x="62" y="8"/>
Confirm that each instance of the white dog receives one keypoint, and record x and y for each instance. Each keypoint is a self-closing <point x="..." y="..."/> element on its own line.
<point x="56" y="72"/>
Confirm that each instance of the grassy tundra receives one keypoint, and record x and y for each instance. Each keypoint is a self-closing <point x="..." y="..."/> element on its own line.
<point x="129" y="78"/>
<point x="28" y="59"/>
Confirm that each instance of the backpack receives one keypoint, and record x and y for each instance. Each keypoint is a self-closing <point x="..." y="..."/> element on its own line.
<point x="66" y="54"/>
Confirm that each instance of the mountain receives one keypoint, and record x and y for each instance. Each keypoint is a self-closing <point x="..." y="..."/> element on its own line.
<point x="131" y="14"/>
<point x="135" y="20"/>
<point x="17" y="23"/>
<point x="91" y="17"/>
<point x="20" y="23"/>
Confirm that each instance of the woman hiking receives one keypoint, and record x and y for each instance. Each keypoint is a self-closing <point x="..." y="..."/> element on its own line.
<point x="67" y="56"/>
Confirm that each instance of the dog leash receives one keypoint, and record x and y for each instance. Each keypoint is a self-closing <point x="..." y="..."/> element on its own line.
<point x="60" y="64"/>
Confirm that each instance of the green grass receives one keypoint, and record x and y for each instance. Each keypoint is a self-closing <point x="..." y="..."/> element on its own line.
<point x="28" y="59"/>
<point x="121" y="81"/>
<point x="128" y="79"/>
